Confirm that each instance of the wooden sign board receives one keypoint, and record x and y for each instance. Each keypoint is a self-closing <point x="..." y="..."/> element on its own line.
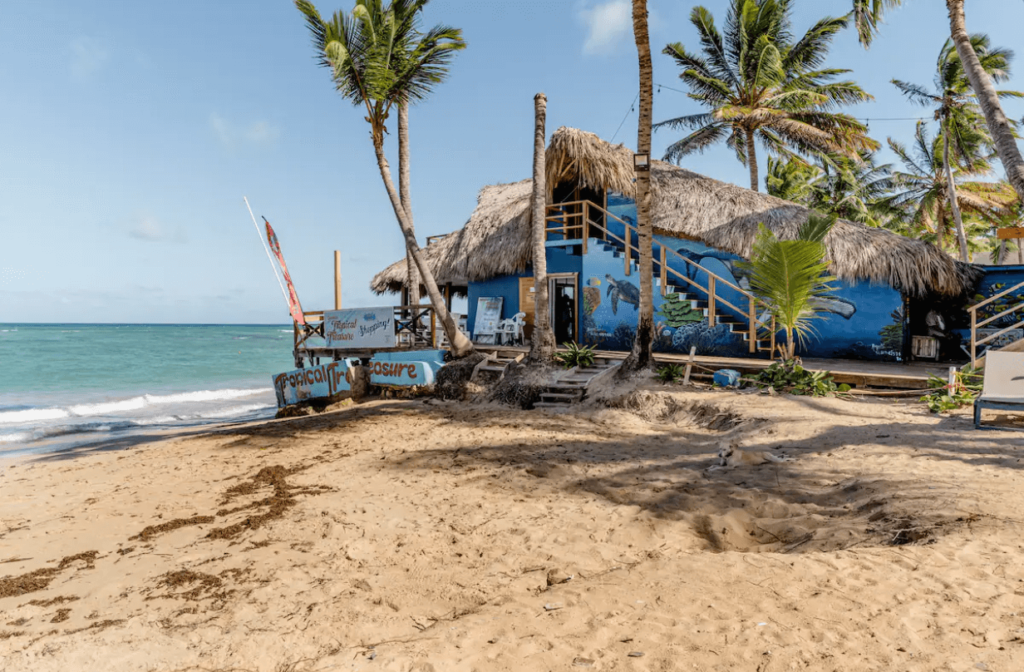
<point x="1010" y="232"/>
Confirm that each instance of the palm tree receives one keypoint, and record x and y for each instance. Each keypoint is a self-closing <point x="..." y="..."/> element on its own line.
<point x="542" y="347"/>
<point x="412" y="277"/>
<point x="641" y="356"/>
<point x="761" y="84"/>
<point x="379" y="60"/>
<point x="789" y="275"/>
<point x="960" y="121"/>
<point x="867" y="15"/>
<point x="999" y="126"/>
<point x="923" y="190"/>
<point x="854" y="190"/>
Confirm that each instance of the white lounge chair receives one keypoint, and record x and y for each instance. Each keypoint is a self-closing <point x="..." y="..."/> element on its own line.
<point x="1003" y="388"/>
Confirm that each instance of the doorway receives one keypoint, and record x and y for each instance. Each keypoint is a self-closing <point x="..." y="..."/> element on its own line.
<point x="564" y="307"/>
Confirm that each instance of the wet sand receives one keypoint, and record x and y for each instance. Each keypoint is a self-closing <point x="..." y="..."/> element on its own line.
<point x="423" y="535"/>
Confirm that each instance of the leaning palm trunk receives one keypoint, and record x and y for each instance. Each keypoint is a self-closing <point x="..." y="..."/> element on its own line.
<point x="641" y="355"/>
<point x="958" y="219"/>
<point x="460" y="345"/>
<point x="998" y="125"/>
<point x="542" y="347"/>
<point x="403" y="188"/>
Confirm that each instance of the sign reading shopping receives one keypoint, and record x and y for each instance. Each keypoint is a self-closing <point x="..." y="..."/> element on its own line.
<point x="360" y="328"/>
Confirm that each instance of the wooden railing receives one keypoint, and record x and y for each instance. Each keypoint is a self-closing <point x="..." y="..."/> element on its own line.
<point x="975" y="325"/>
<point x="575" y="224"/>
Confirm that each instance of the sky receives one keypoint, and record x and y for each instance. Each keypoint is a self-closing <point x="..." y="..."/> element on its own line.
<point x="130" y="132"/>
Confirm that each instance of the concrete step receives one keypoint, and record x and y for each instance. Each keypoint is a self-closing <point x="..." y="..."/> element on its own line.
<point x="557" y="396"/>
<point x="548" y="404"/>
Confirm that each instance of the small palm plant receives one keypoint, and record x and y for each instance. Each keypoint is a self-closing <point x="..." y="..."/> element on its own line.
<point x="789" y="275"/>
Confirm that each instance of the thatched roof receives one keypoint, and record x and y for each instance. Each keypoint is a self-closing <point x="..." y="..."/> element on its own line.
<point x="496" y="239"/>
<point x="439" y="255"/>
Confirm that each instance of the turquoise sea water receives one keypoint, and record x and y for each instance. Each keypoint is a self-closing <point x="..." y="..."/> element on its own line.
<point x="67" y="385"/>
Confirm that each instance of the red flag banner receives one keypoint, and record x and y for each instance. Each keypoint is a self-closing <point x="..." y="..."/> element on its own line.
<point x="293" y="299"/>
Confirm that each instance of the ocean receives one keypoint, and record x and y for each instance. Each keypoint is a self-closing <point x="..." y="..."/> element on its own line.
<point x="65" y="386"/>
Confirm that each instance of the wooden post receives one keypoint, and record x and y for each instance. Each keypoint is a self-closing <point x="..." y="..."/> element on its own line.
<point x="433" y="328"/>
<point x="689" y="365"/>
<point x="586" y="226"/>
<point x="664" y="272"/>
<point x="711" y="301"/>
<point x="337" y="280"/>
<point x="629" y="239"/>
<point x="753" y="326"/>
<point x="974" y="336"/>
<point x="1020" y="252"/>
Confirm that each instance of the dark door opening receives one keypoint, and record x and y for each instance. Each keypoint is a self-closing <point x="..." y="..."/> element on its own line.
<point x="563" y="309"/>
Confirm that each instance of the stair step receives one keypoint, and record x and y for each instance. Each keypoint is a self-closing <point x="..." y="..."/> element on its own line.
<point x="549" y="404"/>
<point x="492" y="368"/>
<point x="576" y="396"/>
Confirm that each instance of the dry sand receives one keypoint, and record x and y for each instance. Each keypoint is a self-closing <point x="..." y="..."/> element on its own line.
<point x="423" y="535"/>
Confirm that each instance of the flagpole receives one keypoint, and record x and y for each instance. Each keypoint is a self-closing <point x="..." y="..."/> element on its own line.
<point x="267" y="250"/>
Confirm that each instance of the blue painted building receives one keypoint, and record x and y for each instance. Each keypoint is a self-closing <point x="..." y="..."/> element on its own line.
<point x="886" y="284"/>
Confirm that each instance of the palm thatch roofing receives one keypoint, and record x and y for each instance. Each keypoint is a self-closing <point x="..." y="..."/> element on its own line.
<point x="496" y="240"/>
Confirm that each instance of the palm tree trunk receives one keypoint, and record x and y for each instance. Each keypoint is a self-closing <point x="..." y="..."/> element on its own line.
<point x="542" y="347"/>
<point x="752" y="160"/>
<point x="641" y="355"/>
<point x="998" y="124"/>
<point x="460" y="345"/>
<point x="958" y="219"/>
<point x="1000" y="252"/>
<point x="412" y="277"/>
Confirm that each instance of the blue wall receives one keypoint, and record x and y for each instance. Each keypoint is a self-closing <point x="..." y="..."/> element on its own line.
<point x="507" y="286"/>
<point x="996" y="280"/>
<point x="865" y="322"/>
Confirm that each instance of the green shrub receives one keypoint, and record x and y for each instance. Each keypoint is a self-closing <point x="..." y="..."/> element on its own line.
<point x="576" y="356"/>
<point x="789" y="376"/>
<point x="669" y="373"/>
<point x="944" y="396"/>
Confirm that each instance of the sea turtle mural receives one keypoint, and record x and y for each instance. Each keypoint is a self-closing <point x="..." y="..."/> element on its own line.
<point x="620" y="290"/>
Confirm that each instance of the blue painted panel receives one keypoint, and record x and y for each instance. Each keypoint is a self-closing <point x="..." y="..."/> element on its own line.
<point x="325" y="380"/>
<point x="997" y="279"/>
<point x="560" y="260"/>
<point x="873" y="330"/>
<point x="402" y="372"/>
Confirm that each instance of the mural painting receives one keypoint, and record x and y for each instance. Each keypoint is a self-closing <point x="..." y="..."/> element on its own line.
<point x="997" y="280"/>
<point x="860" y="321"/>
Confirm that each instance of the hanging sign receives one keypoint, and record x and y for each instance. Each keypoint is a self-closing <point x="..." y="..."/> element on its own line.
<point x="360" y="328"/>
<point x="1010" y="232"/>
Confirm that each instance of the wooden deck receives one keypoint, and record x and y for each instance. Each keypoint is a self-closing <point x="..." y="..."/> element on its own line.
<point x="860" y="374"/>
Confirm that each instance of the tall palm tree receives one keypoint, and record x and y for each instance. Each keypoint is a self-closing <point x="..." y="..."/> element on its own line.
<point x="642" y="356"/>
<point x="379" y="60"/>
<point x="923" y="190"/>
<point x="542" y="346"/>
<point x="999" y="125"/>
<point x="961" y="124"/>
<point x="412" y="277"/>
<point x="867" y="15"/>
<point x="762" y="85"/>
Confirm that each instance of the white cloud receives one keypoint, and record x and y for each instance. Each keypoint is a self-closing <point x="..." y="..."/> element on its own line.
<point x="149" y="229"/>
<point x="232" y="134"/>
<point x="608" y="24"/>
<point x="87" y="57"/>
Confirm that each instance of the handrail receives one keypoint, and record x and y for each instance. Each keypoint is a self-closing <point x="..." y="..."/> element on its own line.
<point x="562" y="217"/>
<point x="975" y="325"/>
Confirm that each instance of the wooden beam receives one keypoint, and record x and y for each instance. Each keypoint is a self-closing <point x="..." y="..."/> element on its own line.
<point x="337" y="280"/>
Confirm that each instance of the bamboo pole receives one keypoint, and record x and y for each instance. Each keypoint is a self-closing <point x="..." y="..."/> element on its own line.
<point x="711" y="302"/>
<point x="974" y="335"/>
<point x="337" y="280"/>
<point x="753" y="326"/>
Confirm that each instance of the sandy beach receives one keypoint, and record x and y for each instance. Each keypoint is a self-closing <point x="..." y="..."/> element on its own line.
<point x="424" y="535"/>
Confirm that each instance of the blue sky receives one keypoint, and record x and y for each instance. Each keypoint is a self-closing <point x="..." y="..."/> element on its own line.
<point x="130" y="132"/>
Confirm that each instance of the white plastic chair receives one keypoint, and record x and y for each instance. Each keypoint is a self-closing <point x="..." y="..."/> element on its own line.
<point x="518" y="323"/>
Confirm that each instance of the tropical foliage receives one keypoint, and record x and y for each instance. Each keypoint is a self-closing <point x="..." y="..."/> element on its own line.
<point x="761" y="84"/>
<point x="669" y="373"/>
<point x="788" y="275"/>
<point x="921" y="192"/>
<point x="791" y="377"/>
<point x="964" y="135"/>
<point x="576" y="355"/>
<point x="949" y="396"/>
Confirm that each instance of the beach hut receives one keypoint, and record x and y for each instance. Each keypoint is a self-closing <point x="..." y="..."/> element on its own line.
<point x="887" y="284"/>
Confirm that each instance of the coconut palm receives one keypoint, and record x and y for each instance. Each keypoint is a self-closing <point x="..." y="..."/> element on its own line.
<point x="542" y="347"/>
<point x="961" y="124"/>
<point x="999" y="126"/>
<point x="761" y="84"/>
<point x="641" y="356"/>
<point x="379" y="60"/>
<point x="854" y="190"/>
<point x="788" y="275"/>
<point x="923" y="189"/>
<point x="867" y="15"/>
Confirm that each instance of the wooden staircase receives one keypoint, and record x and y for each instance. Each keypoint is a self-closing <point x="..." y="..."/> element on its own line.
<point x="571" y="387"/>
<point x="689" y="294"/>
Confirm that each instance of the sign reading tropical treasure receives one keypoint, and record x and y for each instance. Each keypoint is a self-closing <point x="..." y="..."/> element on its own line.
<point x="325" y="380"/>
<point x="360" y="328"/>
